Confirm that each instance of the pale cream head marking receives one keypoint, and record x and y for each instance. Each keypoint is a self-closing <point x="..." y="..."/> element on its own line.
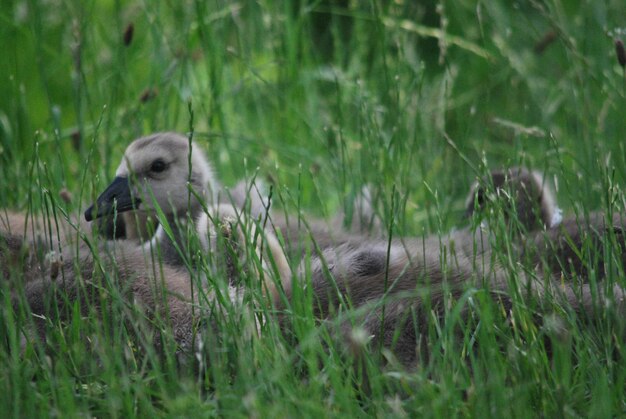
<point x="159" y="167"/>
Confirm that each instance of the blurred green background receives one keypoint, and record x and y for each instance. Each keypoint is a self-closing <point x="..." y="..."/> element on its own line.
<point x="322" y="97"/>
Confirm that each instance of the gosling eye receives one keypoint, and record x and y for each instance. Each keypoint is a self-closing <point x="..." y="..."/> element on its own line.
<point x="158" y="166"/>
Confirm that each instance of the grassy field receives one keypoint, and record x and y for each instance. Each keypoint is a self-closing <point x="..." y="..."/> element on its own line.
<point x="319" y="98"/>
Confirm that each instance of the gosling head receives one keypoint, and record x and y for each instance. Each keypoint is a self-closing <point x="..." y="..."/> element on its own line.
<point x="155" y="172"/>
<point x="521" y="191"/>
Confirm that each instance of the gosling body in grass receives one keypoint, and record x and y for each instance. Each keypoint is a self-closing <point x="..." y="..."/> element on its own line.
<point x="507" y="208"/>
<point x="395" y="293"/>
<point x="126" y="208"/>
<point x="152" y="296"/>
<point x="160" y="163"/>
<point x="197" y="241"/>
<point x="167" y="174"/>
<point x="522" y="194"/>
<point x="515" y="201"/>
<point x="525" y="204"/>
<point x="155" y="174"/>
<point x="161" y="173"/>
<point x="37" y="229"/>
<point x="157" y="299"/>
<point x="395" y="286"/>
<point x="398" y="287"/>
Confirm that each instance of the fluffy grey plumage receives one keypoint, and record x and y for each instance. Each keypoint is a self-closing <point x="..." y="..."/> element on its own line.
<point x="402" y="277"/>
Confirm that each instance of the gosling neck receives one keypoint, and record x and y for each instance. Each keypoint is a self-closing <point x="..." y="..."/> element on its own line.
<point x="173" y="247"/>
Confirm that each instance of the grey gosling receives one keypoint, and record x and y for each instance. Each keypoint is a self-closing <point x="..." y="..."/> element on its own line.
<point x="397" y="286"/>
<point x="406" y="279"/>
<point x="547" y="241"/>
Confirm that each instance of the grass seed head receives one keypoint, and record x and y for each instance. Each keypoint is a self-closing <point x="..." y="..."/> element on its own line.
<point x="148" y="94"/>
<point x="76" y="138"/>
<point x="128" y="34"/>
<point x="65" y="195"/>
<point x="545" y="41"/>
<point x="621" y="52"/>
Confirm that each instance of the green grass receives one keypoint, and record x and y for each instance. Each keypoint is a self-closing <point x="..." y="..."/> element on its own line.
<point x="415" y="101"/>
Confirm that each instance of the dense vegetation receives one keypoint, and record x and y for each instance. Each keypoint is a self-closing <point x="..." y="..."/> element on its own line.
<point x="318" y="98"/>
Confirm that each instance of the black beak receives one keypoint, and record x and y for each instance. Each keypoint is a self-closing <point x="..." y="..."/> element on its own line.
<point x="117" y="197"/>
